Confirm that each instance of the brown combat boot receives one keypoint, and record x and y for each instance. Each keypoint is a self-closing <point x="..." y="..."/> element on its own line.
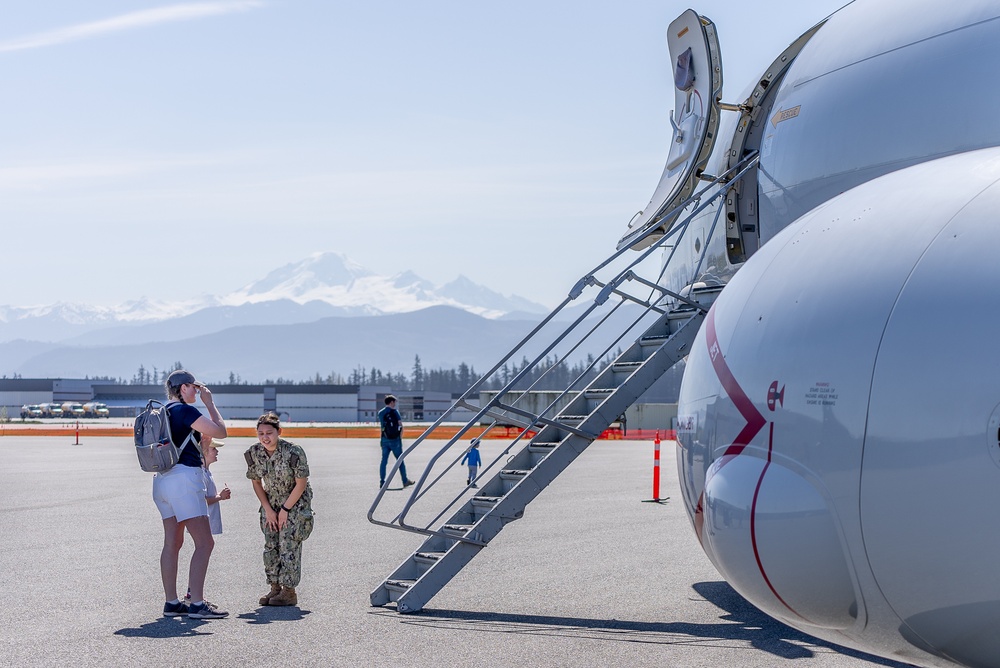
<point x="275" y="590"/>
<point x="286" y="597"/>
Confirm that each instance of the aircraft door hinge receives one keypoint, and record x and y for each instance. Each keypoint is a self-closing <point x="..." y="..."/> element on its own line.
<point x="743" y="108"/>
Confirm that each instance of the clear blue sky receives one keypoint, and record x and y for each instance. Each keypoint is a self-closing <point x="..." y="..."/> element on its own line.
<point x="170" y="150"/>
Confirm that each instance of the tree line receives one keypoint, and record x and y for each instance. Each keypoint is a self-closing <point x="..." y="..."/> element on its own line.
<point x="550" y="374"/>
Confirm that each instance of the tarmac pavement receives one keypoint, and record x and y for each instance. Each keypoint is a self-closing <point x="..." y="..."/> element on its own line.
<point x="591" y="576"/>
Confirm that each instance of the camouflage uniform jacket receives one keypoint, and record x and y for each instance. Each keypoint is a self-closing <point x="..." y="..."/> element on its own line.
<point x="279" y="471"/>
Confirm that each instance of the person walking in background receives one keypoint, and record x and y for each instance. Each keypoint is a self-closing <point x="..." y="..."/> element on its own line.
<point x="280" y="475"/>
<point x="391" y="439"/>
<point x="179" y="495"/>
<point x="475" y="461"/>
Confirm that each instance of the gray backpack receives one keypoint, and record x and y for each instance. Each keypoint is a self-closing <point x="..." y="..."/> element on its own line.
<point x="154" y="444"/>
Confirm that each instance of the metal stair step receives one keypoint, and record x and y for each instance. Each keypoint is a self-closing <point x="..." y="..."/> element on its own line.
<point x="426" y="560"/>
<point x="655" y="340"/>
<point x="398" y="586"/>
<point x="626" y="366"/>
<point x="483" y="506"/>
<point x="511" y="478"/>
<point x="427" y="557"/>
<point x="539" y="451"/>
<point x="542" y="448"/>
<point x="456" y="529"/>
<point x="571" y="418"/>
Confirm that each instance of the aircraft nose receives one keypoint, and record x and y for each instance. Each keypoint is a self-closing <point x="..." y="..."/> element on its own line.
<point x="771" y="532"/>
<point x="865" y="502"/>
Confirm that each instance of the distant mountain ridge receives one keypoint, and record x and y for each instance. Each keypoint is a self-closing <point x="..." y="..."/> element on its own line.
<point x="322" y="285"/>
<point x="443" y="337"/>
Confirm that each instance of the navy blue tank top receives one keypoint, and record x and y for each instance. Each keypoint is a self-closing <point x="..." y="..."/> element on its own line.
<point x="182" y="416"/>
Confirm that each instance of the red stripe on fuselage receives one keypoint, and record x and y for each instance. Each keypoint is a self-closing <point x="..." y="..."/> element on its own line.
<point x="755" y="422"/>
<point x="753" y="525"/>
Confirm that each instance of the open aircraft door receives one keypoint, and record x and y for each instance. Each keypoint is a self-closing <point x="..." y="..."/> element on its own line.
<point x="694" y="50"/>
<point x="757" y="122"/>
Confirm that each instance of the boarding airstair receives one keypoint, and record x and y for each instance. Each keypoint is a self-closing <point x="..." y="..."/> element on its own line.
<point x="626" y="307"/>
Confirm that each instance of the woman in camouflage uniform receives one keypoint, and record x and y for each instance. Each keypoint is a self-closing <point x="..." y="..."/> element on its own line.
<point x="280" y="476"/>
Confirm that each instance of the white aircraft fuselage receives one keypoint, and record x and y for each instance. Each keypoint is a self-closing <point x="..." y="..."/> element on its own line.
<point x="839" y="417"/>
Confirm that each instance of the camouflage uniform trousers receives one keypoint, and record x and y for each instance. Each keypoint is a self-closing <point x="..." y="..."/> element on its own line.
<point x="283" y="549"/>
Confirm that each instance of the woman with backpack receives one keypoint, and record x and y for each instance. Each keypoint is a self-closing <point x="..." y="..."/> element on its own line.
<point x="179" y="494"/>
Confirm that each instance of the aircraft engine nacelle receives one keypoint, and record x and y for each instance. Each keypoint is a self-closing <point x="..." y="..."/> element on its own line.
<point x="839" y="418"/>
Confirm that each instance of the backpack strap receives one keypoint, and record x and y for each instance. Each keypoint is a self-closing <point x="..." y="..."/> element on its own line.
<point x="190" y="437"/>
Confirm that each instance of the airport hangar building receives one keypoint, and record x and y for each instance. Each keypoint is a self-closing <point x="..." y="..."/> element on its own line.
<point x="294" y="403"/>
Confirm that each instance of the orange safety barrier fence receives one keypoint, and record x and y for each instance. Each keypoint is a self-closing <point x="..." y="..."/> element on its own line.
<point x="346" y="431"/>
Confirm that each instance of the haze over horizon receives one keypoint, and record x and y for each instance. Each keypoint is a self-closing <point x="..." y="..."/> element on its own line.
<point x="169" y="150"/>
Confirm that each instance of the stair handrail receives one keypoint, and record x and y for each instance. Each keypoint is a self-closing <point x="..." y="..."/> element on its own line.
<point x="582" y="376"/>
<point x="419" y="488"/>
<point x="612" y="287"/>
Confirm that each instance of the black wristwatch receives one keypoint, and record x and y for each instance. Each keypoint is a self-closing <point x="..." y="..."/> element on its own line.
<point x="287" y="510"/>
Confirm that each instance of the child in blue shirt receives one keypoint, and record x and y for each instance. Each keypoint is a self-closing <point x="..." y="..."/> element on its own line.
<point x="472" y="456"/>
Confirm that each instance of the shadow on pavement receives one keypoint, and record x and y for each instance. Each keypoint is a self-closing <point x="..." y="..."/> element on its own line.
<point x="741" y="622"/>
<point x="268" y="614"/>
<point x="179" y="627"/>
<point x="166" y="627"/>
<point x="768" y="634"/>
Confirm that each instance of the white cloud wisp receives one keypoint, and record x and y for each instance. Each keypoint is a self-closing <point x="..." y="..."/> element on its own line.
<point x="130" y="21"/>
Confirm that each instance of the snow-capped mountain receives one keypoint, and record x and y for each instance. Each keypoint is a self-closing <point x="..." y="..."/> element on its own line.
<point x="464" y="291"/>
<point x="338" y="281"/>
<point x="319" y="271"/>
<point x="320" y="285"/>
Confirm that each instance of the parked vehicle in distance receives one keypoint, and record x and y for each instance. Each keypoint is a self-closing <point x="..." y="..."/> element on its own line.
<point x="31" y="411"/>
<point x="72" y="409"/>
<point x="95" y="409"/>
<point x="51" y="410"/>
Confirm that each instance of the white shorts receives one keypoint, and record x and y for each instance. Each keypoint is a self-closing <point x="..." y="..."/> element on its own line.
<point x="180" y="493"/>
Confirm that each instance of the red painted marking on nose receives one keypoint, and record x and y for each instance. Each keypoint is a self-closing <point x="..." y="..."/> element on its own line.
<point x="753" y="526"/>
<point x="755" y="421"/>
